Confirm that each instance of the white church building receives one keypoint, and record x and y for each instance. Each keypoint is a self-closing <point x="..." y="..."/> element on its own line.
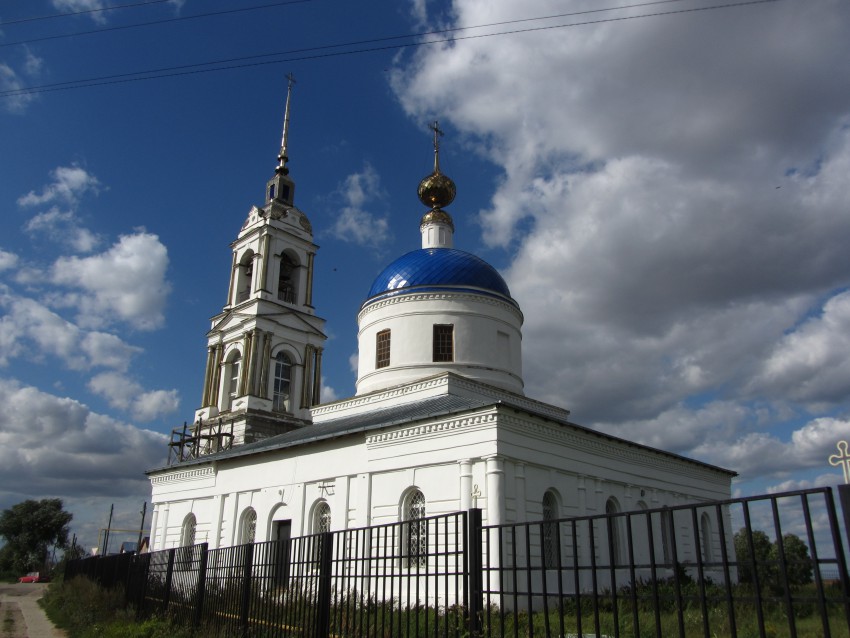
<point x="440" y="421"/>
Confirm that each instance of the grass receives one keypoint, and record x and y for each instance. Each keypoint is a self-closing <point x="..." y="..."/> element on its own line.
<point x="87" y="611"/>
<point x="84" y="610"/>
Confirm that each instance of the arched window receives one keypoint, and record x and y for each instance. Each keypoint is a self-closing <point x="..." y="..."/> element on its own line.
<point x="705" y="533"/>
<point x="667" y="537"/>
<point x="286" y="289"/>
<point x="232" y="377"/>
<point x="615" y="524"/>
<point x="550" y="530"/>
<point x="187" y="534"/>
<point x="415" y="536"/>
<point x="282" y="390"/>
<point x="322" y="518"/>
<point x="248" y="528"/>
<point x="245" y="277"/>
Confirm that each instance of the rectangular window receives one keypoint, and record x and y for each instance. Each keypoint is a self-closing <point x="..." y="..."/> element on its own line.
<point x="382" y="351"/>
<point x="444" y="342"/>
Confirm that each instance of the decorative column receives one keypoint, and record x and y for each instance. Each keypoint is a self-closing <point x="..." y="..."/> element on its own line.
<point x="465" y="484"/>
<point x="317" y="378"/>
<point x="215" y="379"/>
<point x="519" y="497"/>
<point x="306" y="392"/>
<point x="495" y="515"/>
<point x="263" y="284"/>
<point x="215" y="529"/>
<point x="205" y="395"/>
<point x="233" y="273"/>
<point x="308" y="299"/>
<point x="163" y="532"/>
<point x="245" y="364"/>
<point x="251" y="380"/>
<point x="154" y="521"/>
<point x="265" y="364"/>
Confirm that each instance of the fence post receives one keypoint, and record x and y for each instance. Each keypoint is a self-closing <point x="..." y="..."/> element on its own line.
<point x="844" y="499"/>
<point x="247" y="568"/>
<point x="202" y="584"/>
<point x="323" y="599"/>
<point x="169" y="573"/>
<point x="475" y="569"/>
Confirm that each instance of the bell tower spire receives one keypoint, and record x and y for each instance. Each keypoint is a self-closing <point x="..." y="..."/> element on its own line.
<point x="280" y="189"/>
<point x="264" y="357"/>
<point x="283" y="158"/>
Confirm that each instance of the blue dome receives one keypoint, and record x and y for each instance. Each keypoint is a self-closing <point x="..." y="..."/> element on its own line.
<point x="438" y="269"/>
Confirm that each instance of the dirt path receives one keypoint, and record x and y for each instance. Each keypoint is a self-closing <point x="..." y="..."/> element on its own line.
<point x="20" y="614"/>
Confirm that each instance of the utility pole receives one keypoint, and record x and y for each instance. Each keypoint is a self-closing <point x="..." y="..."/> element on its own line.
<point x="142" y="526"/>
<point x="108" y="526"/>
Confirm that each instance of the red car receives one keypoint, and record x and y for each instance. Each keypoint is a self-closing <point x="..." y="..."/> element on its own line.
<point x="33" y="577"/>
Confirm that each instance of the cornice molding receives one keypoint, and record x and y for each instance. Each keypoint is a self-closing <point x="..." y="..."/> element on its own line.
<point x="382" y="395"/>
<point x="184" y="476"/>
<point x="443" y="426"/>
<point x="403" y="297"/>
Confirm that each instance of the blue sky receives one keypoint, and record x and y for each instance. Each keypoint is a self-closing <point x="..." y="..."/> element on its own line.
<point x="666" y="197"/>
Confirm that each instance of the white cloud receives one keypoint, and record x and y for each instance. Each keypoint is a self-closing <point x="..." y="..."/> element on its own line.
<point x="328" y="393"/>
<point x="28" y="328"/>
<point x="812" y="362"/>
<point x="124" y="393"/>
<point x="58" y="446"/>
<point x="354" y="223"/>
<point x="7" y="260"/>
<point x="761" y="453"/>
<point x="62" y="227"/>
<point x="676" y="245"/>
<point x="94" y="8"/>
<point x="126" y="283"/>
<point x="354" y="362"/>
<point x="793" y="485"/>
<point x="68" y="185"/>
<point x="10" y="80"/>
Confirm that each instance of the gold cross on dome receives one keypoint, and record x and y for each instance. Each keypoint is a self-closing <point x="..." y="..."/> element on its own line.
<point x="437" y="132"/>
<point x="842" y="459"/>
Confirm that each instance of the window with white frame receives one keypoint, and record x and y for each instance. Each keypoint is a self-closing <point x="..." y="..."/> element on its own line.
<point x="322" y="518"/>
<point x="232" y="371"/>
<point x="444" y="342"/>
<point x="550" y="530"/>
<point x="187" y="533"/>
<point x="615" y="525"/>
<point x="248" y="529"/>
<point x="415" y="550"/>
<point x="282" y="388"/>
<point x="382" y="349"/>
<point x="667" y="539"/>
<point x="705" y="533"/>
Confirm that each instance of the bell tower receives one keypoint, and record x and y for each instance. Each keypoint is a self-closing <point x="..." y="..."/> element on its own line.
<point x="264" y="350"/>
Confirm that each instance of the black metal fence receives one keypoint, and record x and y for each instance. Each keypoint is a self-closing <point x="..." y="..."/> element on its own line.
<point x="771" y="565"/>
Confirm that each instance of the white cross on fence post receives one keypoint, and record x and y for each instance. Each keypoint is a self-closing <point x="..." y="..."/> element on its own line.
<point x="475" y="494"/>
<point x="842" y="459"/>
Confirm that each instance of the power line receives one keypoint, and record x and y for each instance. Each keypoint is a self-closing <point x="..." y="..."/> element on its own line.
<point x="152" y="22"/>
<point x="192" y="69"/>
<point x="81" y="12"/>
